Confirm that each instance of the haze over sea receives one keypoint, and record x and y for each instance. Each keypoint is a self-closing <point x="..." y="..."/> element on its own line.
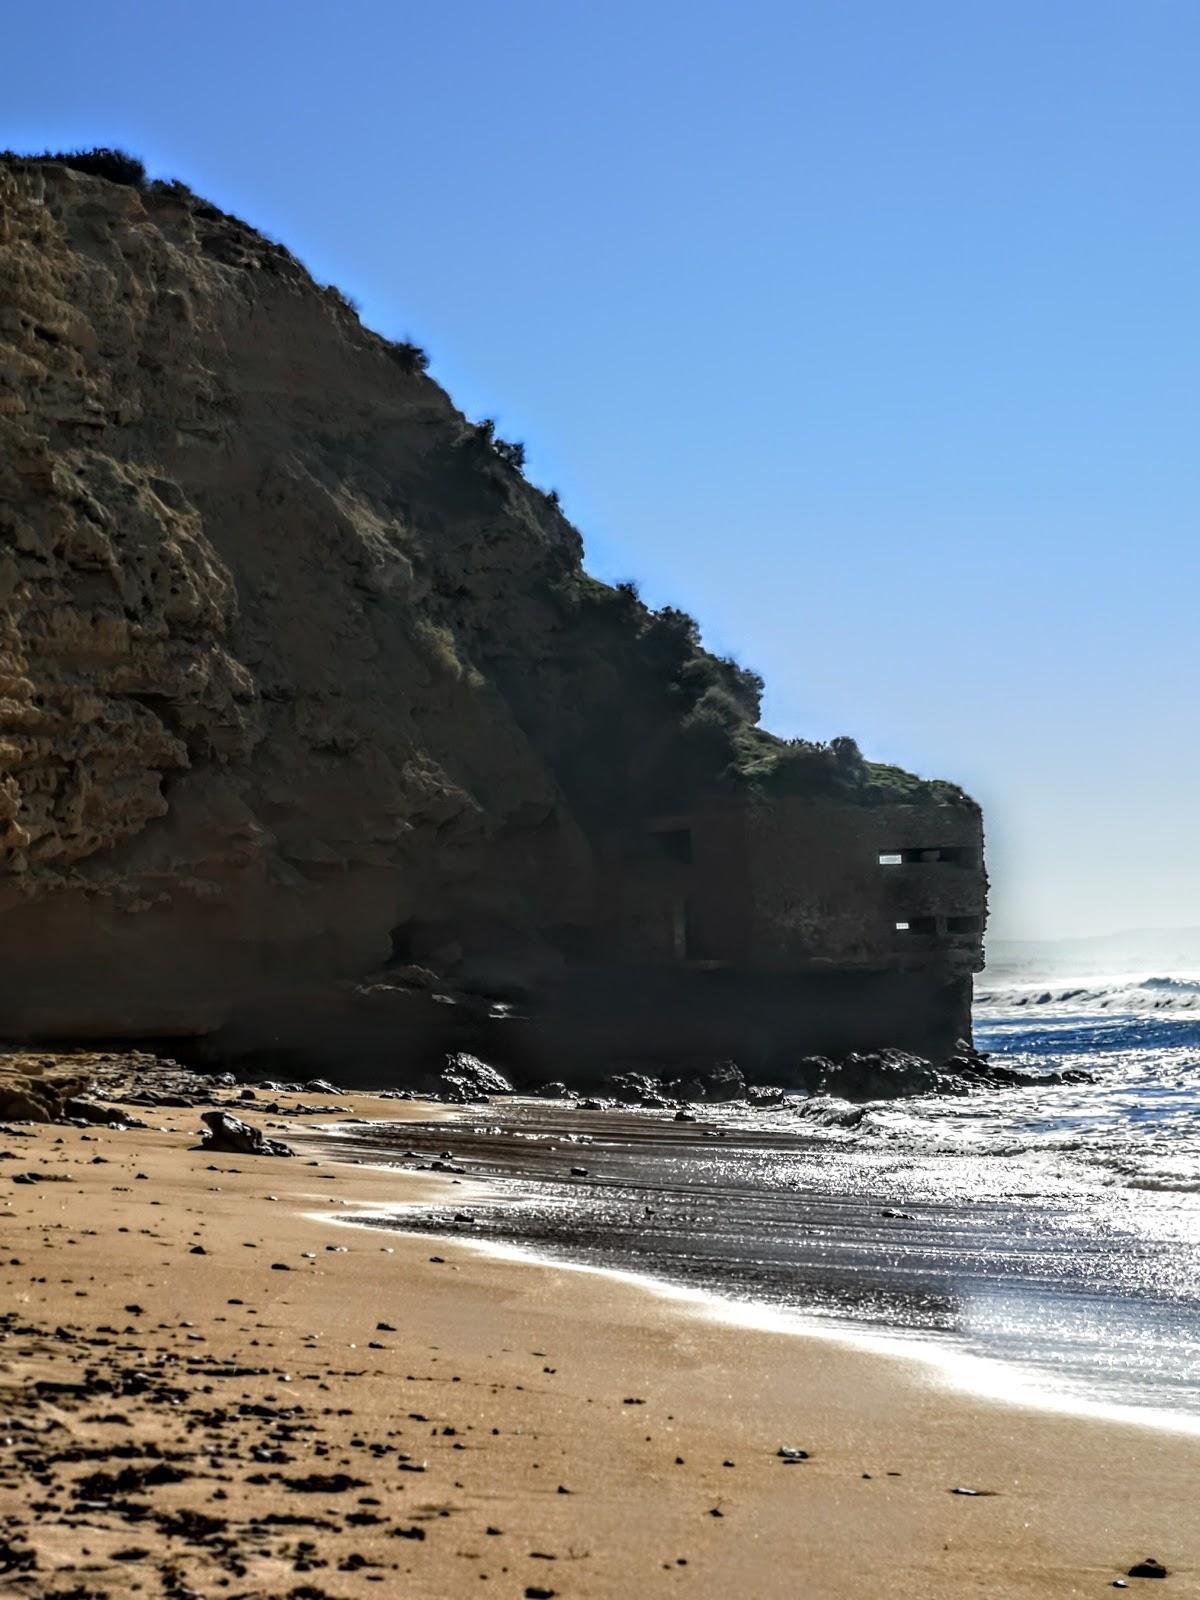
<point x="1042" y="1240"/>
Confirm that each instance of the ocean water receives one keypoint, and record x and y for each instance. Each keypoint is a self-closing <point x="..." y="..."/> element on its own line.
<point x="1043" y="1239"/>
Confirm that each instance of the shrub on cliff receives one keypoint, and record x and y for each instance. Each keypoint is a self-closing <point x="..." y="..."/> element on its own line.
<point x="118" y="166"/>
<point x="773" y="766"/>
<point x="344" y="302"/>
<point x="408" y="355"/>
<point x="484" y="438"/>
<point x="511" y="451"/>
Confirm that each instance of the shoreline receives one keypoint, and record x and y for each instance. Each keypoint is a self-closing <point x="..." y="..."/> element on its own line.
<point x="958" y="1372"/>
<point x="552" y="1405"/>
<point x="946" y="1356"/>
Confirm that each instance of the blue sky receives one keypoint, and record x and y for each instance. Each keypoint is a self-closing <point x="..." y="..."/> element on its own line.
<point x="864" y="329"/>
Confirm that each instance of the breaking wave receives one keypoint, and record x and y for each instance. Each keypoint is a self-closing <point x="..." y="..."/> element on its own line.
<point x="1116" y="994"/>
<point x="1132" y="1127"/>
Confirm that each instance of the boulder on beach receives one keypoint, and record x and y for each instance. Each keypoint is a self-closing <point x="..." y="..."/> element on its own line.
<point x="231" y="1136"/>
<point x="465" y="1077"/>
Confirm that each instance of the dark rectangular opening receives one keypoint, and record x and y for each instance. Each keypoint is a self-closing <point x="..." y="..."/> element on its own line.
<point x="963" y="924"/>
<point x="674" y="843"/>
<point x="923" y="855"/>
<point x="925" y="926"/>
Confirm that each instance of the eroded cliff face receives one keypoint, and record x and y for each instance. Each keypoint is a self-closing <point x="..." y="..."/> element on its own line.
<point x="245" y="546"/>
<point x="298" y="674"/>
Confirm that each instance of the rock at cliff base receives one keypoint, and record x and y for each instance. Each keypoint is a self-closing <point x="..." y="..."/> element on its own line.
<point x="29" y="1094"/>
<point x="888" y="1075"/>
<point x="100" y="1115"/>
<point x="231" y="1136"/>
<point x="636" y="1089"/>
<point x="709" y="1080"/>
<point x="466" y="1077"/>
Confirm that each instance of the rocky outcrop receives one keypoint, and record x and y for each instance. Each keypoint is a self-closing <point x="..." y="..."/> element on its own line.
<point x="897" y="1074"/>
<point x="465" y="1078"/>
<point x="247" y="550"/>
<point x="301" y="680"/>
<point x="35" y="1090"/>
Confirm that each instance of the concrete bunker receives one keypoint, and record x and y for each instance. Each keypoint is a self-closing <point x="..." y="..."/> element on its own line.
<point x="842" y="925"/>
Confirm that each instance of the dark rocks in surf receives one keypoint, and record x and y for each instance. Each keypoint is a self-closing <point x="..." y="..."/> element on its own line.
<point x="714" y="1081"/>
<point x="887" y="1075"/>
<point x="767" y="1094"/>
<point x="897" y="1074"/>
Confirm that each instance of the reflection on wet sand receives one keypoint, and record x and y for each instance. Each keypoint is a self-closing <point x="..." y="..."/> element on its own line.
<point x="760" y="1211"/>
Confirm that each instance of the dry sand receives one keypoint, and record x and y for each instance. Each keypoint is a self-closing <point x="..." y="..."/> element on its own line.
<point x="167" y="1394"/>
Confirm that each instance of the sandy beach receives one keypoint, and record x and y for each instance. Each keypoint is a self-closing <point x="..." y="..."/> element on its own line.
<point x="209" y="1390"/>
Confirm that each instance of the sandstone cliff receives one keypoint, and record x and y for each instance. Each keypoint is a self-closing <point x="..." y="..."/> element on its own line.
<point x="298" y="673"/>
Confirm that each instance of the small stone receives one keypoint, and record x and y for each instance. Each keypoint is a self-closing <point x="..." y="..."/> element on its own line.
<point x="1149" y="1568"/>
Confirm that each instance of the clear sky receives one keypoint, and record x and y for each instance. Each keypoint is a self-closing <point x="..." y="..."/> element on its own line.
<point x="864" y="329"/>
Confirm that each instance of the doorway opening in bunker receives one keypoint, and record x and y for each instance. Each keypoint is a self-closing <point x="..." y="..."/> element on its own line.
<point x="679" y="930"/>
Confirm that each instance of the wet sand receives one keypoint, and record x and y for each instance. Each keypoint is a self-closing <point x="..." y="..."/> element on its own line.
<point x="200" y="1400"/>
<point x="1076" y="1295"/>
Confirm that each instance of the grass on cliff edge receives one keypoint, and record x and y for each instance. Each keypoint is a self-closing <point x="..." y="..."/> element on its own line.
<point x="772" y="766"/>
<point x="118" y="166"/>
<point x="715" y="704"/>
